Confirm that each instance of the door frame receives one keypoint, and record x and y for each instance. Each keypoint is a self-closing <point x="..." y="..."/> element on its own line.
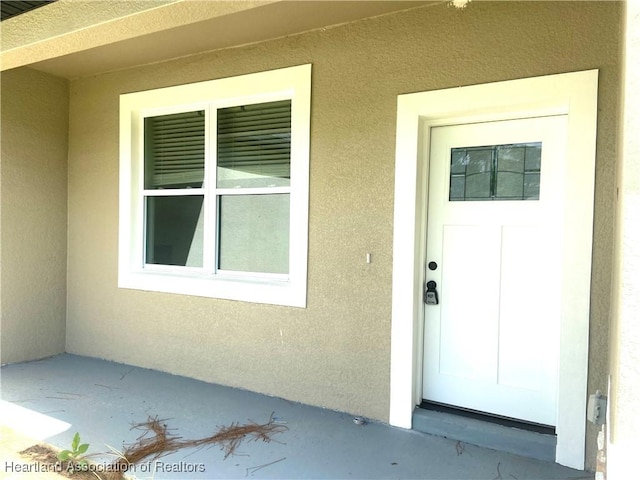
<point x="573" y="94"/>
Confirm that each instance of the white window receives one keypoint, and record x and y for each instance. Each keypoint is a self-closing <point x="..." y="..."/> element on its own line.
<point x="214" y="188"/>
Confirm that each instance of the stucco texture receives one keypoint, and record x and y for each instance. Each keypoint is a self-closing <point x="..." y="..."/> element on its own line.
<point x="624" y="421"/>
<point x="335" y="353"/>
<point x="33" y="214"/>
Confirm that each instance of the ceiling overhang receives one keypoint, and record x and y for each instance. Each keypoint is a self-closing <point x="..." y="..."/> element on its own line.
<point x="180" y="28"/>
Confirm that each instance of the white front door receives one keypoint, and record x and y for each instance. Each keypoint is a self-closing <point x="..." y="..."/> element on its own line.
<point x="494" y="249"/>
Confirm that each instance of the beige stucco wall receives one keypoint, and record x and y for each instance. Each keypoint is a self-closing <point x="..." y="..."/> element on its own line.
<point x="33" y="213"/>
<point x="334" y="353"/>
<point x="624" y="421"/>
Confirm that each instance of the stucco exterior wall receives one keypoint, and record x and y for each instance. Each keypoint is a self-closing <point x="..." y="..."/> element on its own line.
<point x="33" y="213"/>
<point x="334" y="353"/>
<point x="624" y="419"/>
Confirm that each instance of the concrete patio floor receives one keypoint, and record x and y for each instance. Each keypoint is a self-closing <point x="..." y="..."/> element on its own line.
<point x="51" y="399"/>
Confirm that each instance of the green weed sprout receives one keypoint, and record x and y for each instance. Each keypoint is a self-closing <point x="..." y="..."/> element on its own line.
<point x="76" y="454"/>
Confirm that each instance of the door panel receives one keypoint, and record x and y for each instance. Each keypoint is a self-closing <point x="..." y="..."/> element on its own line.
<point x="524" y="328"/>
<point x="494" y="229"/>
<point x="467" y="320"/>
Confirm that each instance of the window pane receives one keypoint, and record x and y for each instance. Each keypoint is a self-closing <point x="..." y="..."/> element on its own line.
<point x="532" y="186"/>
<point x="495" y="172"/>
<point x="254" y="145"/>
<point x="509" y="186"/>
<point x="457" y="188"/>
<point x="478" y="186"/>
<point x="254" y="233"/>
<point x="510" y="158"/>
<point x="532" y="157"/>
<point x="478" y="160"/>
<point x="459" y="161"/>
<point x="175" y="230"/>
<point x="174" y="151"/>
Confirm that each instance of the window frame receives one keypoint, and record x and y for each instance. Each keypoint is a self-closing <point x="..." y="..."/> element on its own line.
<point x="292" y="83"/>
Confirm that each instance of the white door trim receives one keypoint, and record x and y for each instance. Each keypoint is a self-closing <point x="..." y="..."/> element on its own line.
<point x="574" y="94"/>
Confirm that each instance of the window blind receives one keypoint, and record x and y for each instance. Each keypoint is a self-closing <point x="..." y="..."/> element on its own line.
<point x="256" y="139"/>
<point x="253" y="139"/>
<point x="174" y="150"/>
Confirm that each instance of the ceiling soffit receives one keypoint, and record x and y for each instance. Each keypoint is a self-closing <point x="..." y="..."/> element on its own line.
<point x="239" y="24"/>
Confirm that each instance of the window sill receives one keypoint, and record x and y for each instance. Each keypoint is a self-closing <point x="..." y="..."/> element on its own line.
<point x="246" y="289"/>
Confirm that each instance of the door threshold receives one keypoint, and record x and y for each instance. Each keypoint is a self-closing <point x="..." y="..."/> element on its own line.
<point x="489" y="417"/>
<point x="475" y="430"/>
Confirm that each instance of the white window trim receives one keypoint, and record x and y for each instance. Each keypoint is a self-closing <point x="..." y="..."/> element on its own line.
<point x="291" y="290"/>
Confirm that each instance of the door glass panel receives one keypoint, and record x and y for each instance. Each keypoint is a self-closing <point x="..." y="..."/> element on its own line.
<point x="509" y="185"/>
<point x="532" y="185"/>
<point x="495" y="172"/>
